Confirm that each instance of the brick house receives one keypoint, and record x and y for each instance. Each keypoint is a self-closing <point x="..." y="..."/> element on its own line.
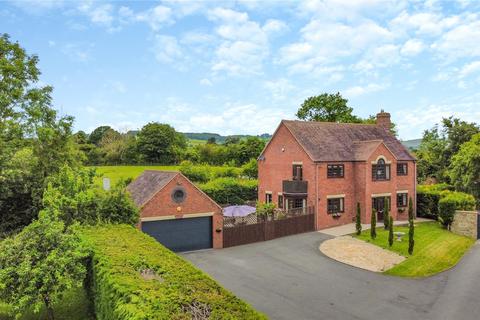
<point x="175" y="212"/>
<point x="333" y="166"/>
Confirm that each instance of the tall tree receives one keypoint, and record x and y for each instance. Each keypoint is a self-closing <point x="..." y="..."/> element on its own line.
<point x="158" y="143"/>
<point x="97" y="134"/>
<point x="439" y="145"/>
<point x="327" y="107"/>
<point x="34" y="140"/>
<point x="464" y="170"/>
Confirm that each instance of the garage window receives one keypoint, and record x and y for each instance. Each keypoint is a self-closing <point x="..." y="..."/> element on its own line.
<point x="179" y="195"/>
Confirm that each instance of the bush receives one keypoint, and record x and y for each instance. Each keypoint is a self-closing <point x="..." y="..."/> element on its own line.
<point x="428" y="197"/>
<point x="74" y="195"/>
<point x="195" y="173"/>
<point x="250" y="169"/>
<point x="231" y="190"/>
<point x="205" y="173"/>
<point x="463" y="201"/>
<point x="265" y="210"/>
<point x="39" y="264"/>
<point x="446" y="210"/>
<point x="134" y="277"/>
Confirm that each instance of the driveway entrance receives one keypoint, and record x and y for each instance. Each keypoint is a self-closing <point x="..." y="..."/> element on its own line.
<point x="288" y="278"/>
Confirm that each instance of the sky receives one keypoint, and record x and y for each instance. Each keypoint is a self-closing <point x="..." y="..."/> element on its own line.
<point x="239" y="67"/>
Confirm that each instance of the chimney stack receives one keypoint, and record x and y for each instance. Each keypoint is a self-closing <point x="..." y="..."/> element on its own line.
<point x="383" y="120"/>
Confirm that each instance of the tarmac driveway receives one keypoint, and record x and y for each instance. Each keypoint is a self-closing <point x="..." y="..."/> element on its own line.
<point x="288" y="278"/>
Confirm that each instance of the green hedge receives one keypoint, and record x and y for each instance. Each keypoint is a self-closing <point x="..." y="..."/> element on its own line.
<point x="121" y="252"/>
<point x="428" y="197"/>
<point x="231" y="190"/>
<point x="446" y="210"/>
<point x="205" y="173"/>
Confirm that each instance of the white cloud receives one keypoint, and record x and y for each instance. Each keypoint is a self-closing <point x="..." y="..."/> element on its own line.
<point x="460" y="42"/>
<point x="362" y="90"/>
<point x="324" y="43"/>
<point x="206" y="82"/>
<point x="248" y="119"/>
<point x="379" y="57"/>
<point x="280" y="88"/>
<point x="80" y="52"/>
<point x="469" y="69"/>
<point x="411" y="121"/>
<point x="274" y="26"/>
<point x="244" y="44"/>
<point x="422" y="23"/>
<point x="156" y="17"/>
<point x="412" y="47"/>
<point x="167" y="49"/>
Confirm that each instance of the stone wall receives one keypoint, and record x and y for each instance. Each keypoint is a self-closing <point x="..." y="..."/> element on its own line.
<point x="465" y="223"/>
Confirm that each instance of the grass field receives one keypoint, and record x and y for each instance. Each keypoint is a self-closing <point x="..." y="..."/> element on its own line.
<point x="436" y="249"/>
<point x="74" y="306"/>
<point x="115" y="173"/>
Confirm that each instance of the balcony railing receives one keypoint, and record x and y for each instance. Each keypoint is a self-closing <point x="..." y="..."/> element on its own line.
<point x="295" y="187"/>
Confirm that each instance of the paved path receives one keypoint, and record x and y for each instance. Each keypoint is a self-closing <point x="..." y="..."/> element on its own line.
<point x="349" y="228"/>
<point x="288" y="278"/>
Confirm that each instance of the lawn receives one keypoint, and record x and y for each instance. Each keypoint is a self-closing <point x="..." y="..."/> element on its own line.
<point x="74" y="306"/>
<point x="115" y="173"/>
<point x="436" y="249"/>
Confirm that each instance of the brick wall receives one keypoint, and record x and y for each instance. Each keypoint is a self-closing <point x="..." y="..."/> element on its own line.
<point x="196" y="202"/>
<point x="465" y="223"/>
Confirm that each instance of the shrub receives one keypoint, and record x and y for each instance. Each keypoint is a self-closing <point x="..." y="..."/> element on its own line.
<point x="386" y="215"/>
<point x="74" y="195"/>
<point x="373" y="225"/>
<point x="390" y="231"/>
<point x="411" y="227"/>
<point x="428" y="197"/>
<point x="358" y="220"/>
<point x="250" y="169"/>
<point x="195" y="173"/>
<point x="463" y="201"/>
<point x="231" y="190"/>
<point x="446" y="209"/>
<point x="134" y="277"/>
<point x="265" y="210"/>
<point x="40" y="263"/>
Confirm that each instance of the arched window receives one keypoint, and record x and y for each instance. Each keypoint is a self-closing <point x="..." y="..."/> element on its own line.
<point x="380" y="170"/>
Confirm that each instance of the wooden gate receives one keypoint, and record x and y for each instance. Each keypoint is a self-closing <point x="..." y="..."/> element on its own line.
<point x="238" y="231"/>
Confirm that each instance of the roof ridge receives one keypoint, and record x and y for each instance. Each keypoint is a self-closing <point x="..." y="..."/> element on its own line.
<point x="330" y="122"/>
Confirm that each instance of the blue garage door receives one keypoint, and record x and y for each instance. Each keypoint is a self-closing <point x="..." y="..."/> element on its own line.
<point x="181" y="234"/>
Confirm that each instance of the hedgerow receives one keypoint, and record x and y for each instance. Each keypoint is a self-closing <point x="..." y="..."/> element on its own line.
<point x="429" y="196"/>
<point x="172" y="289"/>
<point x="231" y="190"/>
<point x="205" y="173"/>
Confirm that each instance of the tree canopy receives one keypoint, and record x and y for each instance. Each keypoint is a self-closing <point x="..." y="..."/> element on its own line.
<point x="327" y="107"/>
<point x="34" y="140"/>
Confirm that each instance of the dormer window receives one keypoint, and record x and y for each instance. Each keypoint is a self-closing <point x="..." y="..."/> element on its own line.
<point x="380" y="171"/>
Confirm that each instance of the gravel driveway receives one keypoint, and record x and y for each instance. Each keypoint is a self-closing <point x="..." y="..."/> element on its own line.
<point x="288" y="278"/>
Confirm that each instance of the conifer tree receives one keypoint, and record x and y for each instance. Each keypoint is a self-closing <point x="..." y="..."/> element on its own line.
<point x="358" y="220"/>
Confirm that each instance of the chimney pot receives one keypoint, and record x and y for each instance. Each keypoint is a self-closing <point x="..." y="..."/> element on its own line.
<point x="383" y="120"/>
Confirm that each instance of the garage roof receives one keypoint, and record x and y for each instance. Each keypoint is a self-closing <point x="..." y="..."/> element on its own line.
<point x="149" y="183"/>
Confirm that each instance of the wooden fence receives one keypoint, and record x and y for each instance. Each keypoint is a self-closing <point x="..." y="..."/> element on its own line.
<point x="249" y="230"/>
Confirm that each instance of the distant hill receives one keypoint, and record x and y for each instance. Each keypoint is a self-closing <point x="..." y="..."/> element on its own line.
<point x="412" y="144"/>
<point x="204" y="136"/>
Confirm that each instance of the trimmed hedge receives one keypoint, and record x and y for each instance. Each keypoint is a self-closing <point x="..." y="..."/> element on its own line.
<point x="429" y="196"/>
<point x="231" y="190"/>
<point x="178" y="290"/>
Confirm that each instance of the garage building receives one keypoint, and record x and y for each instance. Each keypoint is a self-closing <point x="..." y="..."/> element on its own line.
<point x="175" y="212"/>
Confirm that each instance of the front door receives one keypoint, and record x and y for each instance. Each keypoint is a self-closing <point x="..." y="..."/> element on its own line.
<point x="379" y="205"/>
